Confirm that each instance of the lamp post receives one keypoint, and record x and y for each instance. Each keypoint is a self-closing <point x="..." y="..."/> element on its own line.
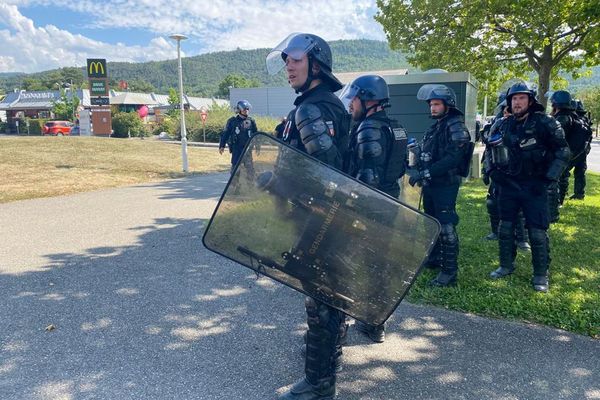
<point x="179" y="37"/>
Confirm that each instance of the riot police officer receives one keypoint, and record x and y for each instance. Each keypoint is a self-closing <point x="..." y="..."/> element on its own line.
<point x="492" y="197"/>
<point x="319" y="126"/>
<point x="444" y="157"/>
<point x="377" y="149"/>
<point x="238" y="130"/>
<point x="578" y="135"/>
<point x="529" y="152"/>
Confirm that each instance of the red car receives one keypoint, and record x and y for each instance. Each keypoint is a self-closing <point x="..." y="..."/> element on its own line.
<point x="57" y="128"/>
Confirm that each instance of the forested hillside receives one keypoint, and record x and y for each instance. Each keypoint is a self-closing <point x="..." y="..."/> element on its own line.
<point x="203" y="73"/>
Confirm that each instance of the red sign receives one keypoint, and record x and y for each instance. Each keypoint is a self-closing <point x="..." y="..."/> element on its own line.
<point x="203" y="115"/>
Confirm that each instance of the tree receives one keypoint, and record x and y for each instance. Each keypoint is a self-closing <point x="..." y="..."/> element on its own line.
<point x="128" y="123"/>
<point x="139" y="85"/>
<point x="173" y="103"/>
<point x="235" y="80"/>
<point x="591" y="102"/>
<point x="66" y="107"/>
<point x="496" y="39"/>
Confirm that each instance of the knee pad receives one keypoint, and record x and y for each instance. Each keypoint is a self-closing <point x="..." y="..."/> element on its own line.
<point x="537" y="236"/>
<point x="448" y="234"/>
<point x="506" y="230"/>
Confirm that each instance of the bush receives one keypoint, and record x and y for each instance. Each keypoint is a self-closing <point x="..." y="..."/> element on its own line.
<point x="215" y="123"/>
<point x="124" y="123"/>
<point x="3" y="127"/>
<point x="169" y="125"/>
<point x="35" y="126"/>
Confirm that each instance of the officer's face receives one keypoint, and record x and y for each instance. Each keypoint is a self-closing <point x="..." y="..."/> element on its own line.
<point x="244" y="112"/>
<point x="296" y="70"/>
<point x="355" y="109"/>
<point x="519" y="103"/>
<point x="437" y="108"/>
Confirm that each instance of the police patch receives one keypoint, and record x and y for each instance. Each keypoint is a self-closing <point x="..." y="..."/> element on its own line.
<point x="399" y="133"/>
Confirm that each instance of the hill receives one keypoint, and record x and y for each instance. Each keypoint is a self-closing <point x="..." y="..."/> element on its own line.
<point x="203" y="73"/>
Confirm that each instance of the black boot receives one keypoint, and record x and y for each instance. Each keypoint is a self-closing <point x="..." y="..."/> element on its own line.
<point x="322" y="336"/>
<point x="521" y="236"/>
<point x="507" y="250"/>
<point x="492" y="208"/>
<point x="449" y="250"/>
<point x="375" y="333"/>
<point x="540" y="258"/>
<point x="434" y="261"/>
<point x="342" y="340"/>
<point x="553" y="202"/>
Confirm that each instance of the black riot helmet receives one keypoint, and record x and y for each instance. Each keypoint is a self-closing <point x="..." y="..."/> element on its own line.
<point x="437" y="92"/>
<point x="560" y="99"/>
<point x="579" y="106"/>
<point x="524" y="88"/>
<point x="366" y="88"/>
<point x="242" y="105"/>
<point x="317" y="50"/>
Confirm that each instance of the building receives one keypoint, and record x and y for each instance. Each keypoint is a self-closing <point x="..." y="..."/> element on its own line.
<point x="19" y="105"/>
<point x="404" y="106"/>
<point x="278" y="101"/>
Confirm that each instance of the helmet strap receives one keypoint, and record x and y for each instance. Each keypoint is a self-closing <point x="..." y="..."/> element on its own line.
<point x="310" y="77"/>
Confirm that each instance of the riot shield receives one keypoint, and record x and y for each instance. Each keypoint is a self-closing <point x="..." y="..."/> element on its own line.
<point x="286" y="215"/>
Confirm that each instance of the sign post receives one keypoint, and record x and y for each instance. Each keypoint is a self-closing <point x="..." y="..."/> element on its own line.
<point x="101" y="119"/>
<point x="203" y="116"/>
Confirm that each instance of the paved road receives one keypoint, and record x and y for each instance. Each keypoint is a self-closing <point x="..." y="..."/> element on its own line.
<point x="142" y="311"/>
<point x="593" y="159"/>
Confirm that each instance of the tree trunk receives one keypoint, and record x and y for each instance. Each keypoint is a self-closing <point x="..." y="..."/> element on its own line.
<point x="544" y="82"/>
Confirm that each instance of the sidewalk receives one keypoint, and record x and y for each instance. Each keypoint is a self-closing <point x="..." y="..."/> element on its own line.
<point x="142" y="311"/>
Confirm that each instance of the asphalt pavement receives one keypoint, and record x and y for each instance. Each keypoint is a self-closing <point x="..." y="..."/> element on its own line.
<point x="111" y="295"/>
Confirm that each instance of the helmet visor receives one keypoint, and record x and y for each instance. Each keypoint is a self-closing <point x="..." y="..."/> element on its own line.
<point x="296" y="45"/>
<point x="347" y="94"/>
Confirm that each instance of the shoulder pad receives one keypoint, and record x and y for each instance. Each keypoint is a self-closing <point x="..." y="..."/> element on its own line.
<point x="307" y="112"/>
<point x="368" y="130"/>
<point x="563" y="119"/>
<point x="458" y="130"/>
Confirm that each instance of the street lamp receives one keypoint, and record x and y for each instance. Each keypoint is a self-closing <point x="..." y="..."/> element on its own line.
<point x="179" y="37"/>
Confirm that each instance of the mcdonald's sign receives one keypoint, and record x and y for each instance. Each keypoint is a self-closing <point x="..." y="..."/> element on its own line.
<point x="96" y="67"/>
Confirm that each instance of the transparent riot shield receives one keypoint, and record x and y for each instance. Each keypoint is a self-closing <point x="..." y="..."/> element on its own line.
<point x="288" y="216"/>
<point x="410" y="195"/>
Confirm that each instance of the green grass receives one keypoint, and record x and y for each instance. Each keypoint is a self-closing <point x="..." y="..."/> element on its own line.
<point x="573" y="302"/>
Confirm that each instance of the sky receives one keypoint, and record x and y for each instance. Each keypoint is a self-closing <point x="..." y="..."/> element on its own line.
<point x="38" y="35"/>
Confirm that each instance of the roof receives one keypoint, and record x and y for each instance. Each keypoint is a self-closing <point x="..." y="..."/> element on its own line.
<point x="347" y="77"/>
<point x="45" y="99"/>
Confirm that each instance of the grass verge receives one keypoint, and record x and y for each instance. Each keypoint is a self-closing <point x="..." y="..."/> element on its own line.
<point x="34" y="167"/>
<point x="573" y="302"/>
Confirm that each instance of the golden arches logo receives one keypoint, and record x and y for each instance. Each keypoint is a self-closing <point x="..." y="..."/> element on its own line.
<point x="97" y="66"/>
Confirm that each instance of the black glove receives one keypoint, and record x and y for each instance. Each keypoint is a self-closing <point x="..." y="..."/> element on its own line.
<point x="486" y="179"/>
<point x="417" y="177"/>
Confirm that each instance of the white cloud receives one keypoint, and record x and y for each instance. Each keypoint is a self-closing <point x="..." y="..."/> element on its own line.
<point x="28" y="48"/>
<point x="212" y="26"/>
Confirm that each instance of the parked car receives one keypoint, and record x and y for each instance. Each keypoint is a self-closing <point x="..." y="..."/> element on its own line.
<point x="57" y="128"/>
<point x="75" y="131"/>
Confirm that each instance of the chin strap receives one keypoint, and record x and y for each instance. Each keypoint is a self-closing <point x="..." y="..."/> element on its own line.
<point x="309" y="79"/>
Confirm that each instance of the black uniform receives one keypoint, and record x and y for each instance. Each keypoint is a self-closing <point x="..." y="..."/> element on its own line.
<point x="279" y="130"/>
<point x="378" y="151"/>
<point x="319" y="126"/>
<point x="377" y="158"/>
<point x="236" y="134"/>
<point x="578" y="134"/>
<point x="447" y="144"/>
<point x="535" y="155"/>
<point x="492" y="197"/>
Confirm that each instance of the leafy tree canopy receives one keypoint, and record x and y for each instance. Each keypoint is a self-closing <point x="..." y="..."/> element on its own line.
<point x="496" y="39"/>
<point x="236" y="81"/>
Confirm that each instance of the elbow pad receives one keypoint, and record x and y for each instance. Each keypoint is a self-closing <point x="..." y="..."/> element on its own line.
<point x="313" y="129"/>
